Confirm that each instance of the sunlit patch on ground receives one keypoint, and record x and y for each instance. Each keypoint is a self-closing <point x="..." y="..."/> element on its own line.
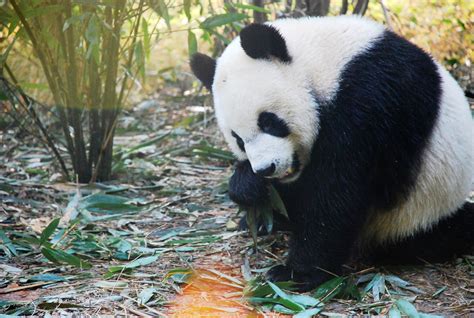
<point x="213" y="293"/>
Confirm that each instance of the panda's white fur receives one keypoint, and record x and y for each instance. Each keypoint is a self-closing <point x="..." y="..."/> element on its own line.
<point x="243" y="87"/>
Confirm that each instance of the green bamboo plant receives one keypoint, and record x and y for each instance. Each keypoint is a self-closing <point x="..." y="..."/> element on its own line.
<point x="88" y="51"/>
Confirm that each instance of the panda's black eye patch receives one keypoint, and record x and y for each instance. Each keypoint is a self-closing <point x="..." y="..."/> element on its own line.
<point x="239" y="140"/>
<point x="273" y="125"/>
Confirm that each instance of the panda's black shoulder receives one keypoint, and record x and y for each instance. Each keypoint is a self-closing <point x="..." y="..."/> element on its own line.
<point x="384" y="112"/>
<point x="392" y="57"/>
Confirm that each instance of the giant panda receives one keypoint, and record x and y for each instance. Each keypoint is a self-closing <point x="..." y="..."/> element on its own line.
<point x="367" y="139"/>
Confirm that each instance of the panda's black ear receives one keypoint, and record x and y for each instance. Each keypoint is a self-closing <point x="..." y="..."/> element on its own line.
<point x="261" y="41"/>
<point x="204" y="67"/>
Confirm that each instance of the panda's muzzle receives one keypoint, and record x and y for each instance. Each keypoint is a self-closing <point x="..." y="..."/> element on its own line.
<point x="266" y="172"/>
<point x="291" y="172"/>
<point x="272" y="157"/>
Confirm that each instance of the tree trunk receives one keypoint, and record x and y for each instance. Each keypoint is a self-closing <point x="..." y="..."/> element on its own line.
<point x="105" y="165"/>
<point x="259" y="17"/>
<point x="316" y="8"/>
<point x="361" y="6"/>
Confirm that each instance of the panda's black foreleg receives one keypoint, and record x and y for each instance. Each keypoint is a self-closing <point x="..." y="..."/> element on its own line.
<point x="326" y="230"/>
<point x="245" y="187"/>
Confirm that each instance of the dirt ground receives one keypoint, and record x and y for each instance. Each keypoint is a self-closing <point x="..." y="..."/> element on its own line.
<point x="175" y="217"/>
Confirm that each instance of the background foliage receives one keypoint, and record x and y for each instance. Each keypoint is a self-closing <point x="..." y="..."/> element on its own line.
<point x="89" y="59"/>
<point x="129" y="245"/>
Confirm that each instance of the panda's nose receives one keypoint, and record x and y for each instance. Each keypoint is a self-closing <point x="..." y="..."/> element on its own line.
<point x="266" y="172"/>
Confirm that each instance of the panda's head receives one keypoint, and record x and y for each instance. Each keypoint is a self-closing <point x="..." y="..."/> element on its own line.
<point x="264" y="103"/>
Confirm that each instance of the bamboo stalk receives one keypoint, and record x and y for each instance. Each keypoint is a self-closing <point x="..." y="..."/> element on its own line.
<point x="361" y="7"/>
<point x="130" y="54"/>
<point x="111" y="45"/>
<point x="73" y="102"/>
<point x="344" y="7"/>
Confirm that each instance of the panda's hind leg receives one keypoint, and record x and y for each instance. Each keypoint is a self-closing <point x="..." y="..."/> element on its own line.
<point x="452" y="236"/>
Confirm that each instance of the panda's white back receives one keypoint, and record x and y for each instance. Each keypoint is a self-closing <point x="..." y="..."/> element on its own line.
<point x="321" y="47"/>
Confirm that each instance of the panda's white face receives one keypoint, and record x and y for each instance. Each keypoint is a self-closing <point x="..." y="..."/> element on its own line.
<point x="275" y="68"/>
<point x="266" y="113"/>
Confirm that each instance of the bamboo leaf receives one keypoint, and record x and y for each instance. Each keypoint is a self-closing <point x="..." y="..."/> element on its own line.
<point x="263" y="300"/>
<point x="192" y="43"/>
<point x="305" y="300"/>
<point x="92" y="35"/>
<point x="179" y="275"/>
<point x="47" y="278"/>
<point x="349" y="290"/>
<point x="75" y="19"/>
<point x="49" y="230"/>
<point x="277" y="202"/>
<point x="111" y="285"/>
<point x="278" y="291"/>
<point x="329" y="289"/>
<point x="162" y="9"/>
<point x="377" y="285"/>
<point x="308" y="313"/>
<point x="187" y="9"/>
<point x="251" y="217"/>
<point x="285" y="299"/>
<point x="261" y="289"/>
<point x="407" y="308"/>
<point x="266" y="213"/>
<point x="283" y="310"/>
<point x="146" y="294"/>
<point x="106" y="203"/>
<point x="58" y="257"/>
<point x="136" y="263"/>
<point x="6" y="52"/>
<point x="8" y="243"/>
<point x="288" y="303"/>
<point x="398" y="282"/>
<point x="222" y="19"/>
<point x="422" y="315"/>
<point x="140" y="58"/>
<point x="394" y="313"/>
<point x="146" y="39"/>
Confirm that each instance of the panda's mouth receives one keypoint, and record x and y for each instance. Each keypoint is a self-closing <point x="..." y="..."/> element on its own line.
<point x="292" y="173"/>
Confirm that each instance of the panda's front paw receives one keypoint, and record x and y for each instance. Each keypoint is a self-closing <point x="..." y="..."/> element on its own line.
<point x="245" y="187"/>
<point x="280" y="273"/>
<point x="305" y="281"/>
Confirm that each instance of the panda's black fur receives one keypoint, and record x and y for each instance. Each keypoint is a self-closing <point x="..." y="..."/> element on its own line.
<point x="367" y="156"/>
